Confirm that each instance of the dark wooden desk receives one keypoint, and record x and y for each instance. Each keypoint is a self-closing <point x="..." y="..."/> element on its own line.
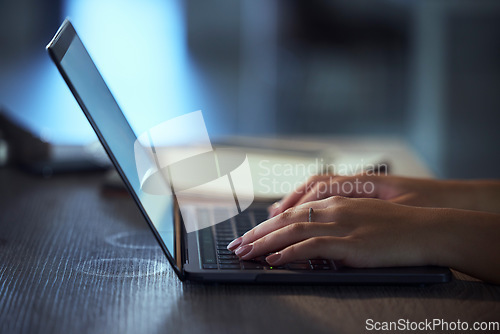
<point x="73" y="260"/>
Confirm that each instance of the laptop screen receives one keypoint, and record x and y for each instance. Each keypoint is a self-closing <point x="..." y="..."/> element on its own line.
<point x="113" y="129"/>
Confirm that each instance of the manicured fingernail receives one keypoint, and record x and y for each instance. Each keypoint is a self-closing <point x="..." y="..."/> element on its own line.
<point x="273" y="258"/>
<point x="243" y="250"/>
<point x="234" y="244"/>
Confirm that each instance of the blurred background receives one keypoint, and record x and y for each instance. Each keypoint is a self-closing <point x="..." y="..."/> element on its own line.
<point x="424" y="71"/>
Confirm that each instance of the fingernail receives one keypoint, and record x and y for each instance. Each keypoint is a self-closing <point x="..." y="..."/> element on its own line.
<point x="234" y="244"/>
<point x="243" y="250"/>
<point x="273" y="258"/>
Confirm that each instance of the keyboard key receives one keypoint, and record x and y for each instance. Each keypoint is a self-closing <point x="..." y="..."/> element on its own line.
<point x="220" y="214"/>
<point x="224" y="232"/>
<point x="251" y="265"/>
<point x="210" y="266"/>
<point x="299" y="266"/>
<point x="223" y="229"/>
<point x="224" y="235"/>
<point x="243" y="227"/>
<point x="321" y="267"/>
<point x="223" y="226"/>
<point x="213" y="241"/>
<point x="230" y="266"/>
<point x="227" y="257"/>
<point x="261" y="259"/>
<point x="275" y="268"/>
<point x="229" y="261"/>
<point x="229" y="236"/>
<point x="207" y="250"/>
<point x="224" y="241"/>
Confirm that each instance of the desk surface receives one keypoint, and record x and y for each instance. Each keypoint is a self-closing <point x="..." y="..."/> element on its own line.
<point x="74" y="260"/>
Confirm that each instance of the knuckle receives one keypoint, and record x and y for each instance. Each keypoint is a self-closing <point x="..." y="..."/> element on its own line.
<point x="292" y="252"/>
<point x="261" y="243"/>
<point x="297" y="228"/>
<point x="339" y="207"/>
<point x="284" y="218"/>
<point x="337" y="200"/>
<point x="317" y="242"/>
<point x="249" y="235"/>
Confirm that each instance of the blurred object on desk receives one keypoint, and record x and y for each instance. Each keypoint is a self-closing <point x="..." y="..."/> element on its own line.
<point x="19" y="147"/>
<point x="4" y="150"/>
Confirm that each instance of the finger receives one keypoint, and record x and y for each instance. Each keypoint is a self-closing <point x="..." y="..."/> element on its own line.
<point x="288" y="201"/>
<point x="334" y="248"/>
<point x="271" y="209"/>
<point x="291" y="199"/>
<point x="364" y="184"/>
<point x="351" y="186"/>
<point x="319" y="204"/>
<point x="268" y="226"/>
<point x="318" y="192"/>
<point x="286" y="236"/>
<point x="324" y="211"/>
<point x="334" y="187"/>
<point x="288" y="217"/>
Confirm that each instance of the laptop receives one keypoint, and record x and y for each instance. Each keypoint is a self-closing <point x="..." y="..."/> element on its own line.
<point x="199" y="255"/>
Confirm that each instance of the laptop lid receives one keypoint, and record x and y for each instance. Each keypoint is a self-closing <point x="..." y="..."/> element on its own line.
<point x="117" y="137"/>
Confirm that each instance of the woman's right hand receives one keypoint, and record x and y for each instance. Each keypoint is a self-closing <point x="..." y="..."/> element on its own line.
<point x="401" y="190"/>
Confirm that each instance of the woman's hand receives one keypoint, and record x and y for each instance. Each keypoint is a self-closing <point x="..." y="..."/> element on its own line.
<point x="365" y="232"/>
<point x="469" y="195"/>
<point x="356" y="232"/>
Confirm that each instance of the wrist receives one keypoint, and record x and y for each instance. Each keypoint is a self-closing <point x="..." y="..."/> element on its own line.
<point x="435" y="229"/>
<point x="457" y="194"/>
<point x="448" y="229"/>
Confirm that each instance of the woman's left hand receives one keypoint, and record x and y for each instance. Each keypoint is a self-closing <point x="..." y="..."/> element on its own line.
<point x="358" y="232"/>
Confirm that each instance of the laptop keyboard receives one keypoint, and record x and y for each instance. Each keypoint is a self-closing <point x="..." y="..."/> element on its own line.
<point x="213" y="243"/>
